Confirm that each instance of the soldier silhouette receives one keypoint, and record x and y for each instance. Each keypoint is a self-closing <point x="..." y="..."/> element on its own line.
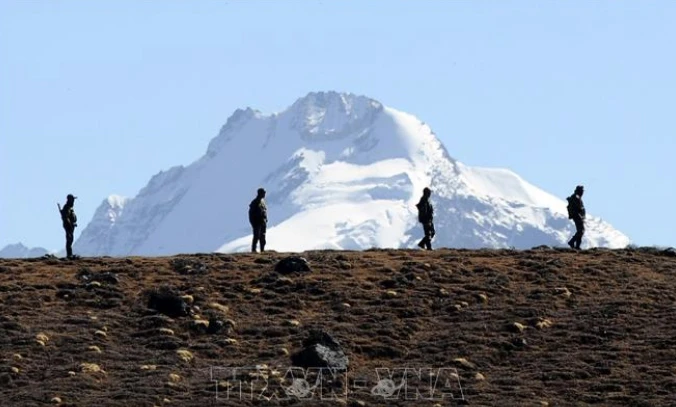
<point x="258" y="218"/>
<point x="577" y="213"/>
<point x="426" y="217"/>
<point x="69" y="221"/>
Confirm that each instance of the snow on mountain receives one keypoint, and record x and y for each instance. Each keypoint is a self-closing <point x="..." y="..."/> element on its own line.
<point x="102" y="232"/>
<point x="342" y="172"/>
<point x="19" y="251"/>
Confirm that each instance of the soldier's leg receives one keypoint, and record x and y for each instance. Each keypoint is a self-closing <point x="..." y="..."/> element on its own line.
<point x="423" y="242"/>
<point x="579" y="226"/>
<point x="428" y="235"/>
<point x="69" y="243"/>
<point x="261" y="235"/>
<point x="573" y="238"/>
<point x="255" y="238"/>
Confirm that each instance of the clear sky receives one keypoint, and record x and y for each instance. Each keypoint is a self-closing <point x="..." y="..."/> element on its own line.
<point x="97" y="96"/>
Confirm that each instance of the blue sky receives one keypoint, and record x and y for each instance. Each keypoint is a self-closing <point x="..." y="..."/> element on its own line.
<point x="96" y="97"/>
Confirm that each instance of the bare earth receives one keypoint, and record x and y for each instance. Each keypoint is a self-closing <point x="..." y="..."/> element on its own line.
<point x="495" y="327"/>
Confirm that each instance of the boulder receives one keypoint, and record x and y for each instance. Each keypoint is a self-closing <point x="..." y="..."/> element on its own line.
<point x="292" y="264"/>
<point x="167" y="302"/>
<point x="321" y="350"/>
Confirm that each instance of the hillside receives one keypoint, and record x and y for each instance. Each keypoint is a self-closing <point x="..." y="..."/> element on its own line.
<point x="522" y="328"/>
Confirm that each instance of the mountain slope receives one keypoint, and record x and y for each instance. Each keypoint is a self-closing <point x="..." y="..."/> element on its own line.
<point x="20" y="251"/>
<point x="342" y="172"/>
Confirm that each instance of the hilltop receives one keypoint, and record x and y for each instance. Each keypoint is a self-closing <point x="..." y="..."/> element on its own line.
<point x="520" y="328"/>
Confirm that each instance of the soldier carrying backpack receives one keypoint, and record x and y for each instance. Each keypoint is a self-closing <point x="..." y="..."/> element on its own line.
<point x="69" y="221"/>
<point x="577" y="213"/>
<point x="426" y="217"/>
<point x="258" y="218"/>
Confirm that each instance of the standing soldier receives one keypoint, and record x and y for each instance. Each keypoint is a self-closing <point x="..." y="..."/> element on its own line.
<point x="258" y="217"/>
<point x="426" y="217"/>
<point x="577" y="213"/>
<point x="69" y="223"/>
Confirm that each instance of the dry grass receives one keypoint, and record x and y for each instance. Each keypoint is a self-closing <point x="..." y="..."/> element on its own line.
<point x="593" y="327"/>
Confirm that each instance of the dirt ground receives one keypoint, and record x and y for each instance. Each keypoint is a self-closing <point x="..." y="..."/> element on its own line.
<point x="449" y="327"/>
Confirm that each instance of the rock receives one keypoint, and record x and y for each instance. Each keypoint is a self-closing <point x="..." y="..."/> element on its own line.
<point x="564" y="291"/>
<point x="479" y="377"/>
<point x="516" y="327"/>
<point x="544" y="323"/>
<point x="167" y="302"/>
<point x="107" y="277"/>
<point x="184" y="355"/>
<point x="292" y="264"/>
<point x="174" y="378"/>
<point x="215" y="326"/>
<point x="199" y="325"/>
<point x="91" y="368"/>
<point x="321" y="350"/>
<point x="188" y="266"/>
<point x="519" y="343"/>
<point x="219" y="307"/>
<point x="166" y="331"/>
<point x="464" y="363"/>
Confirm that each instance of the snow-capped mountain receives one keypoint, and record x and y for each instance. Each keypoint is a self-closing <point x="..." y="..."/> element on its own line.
<point x="19" y="251"/>
<point x="342" y="172"/>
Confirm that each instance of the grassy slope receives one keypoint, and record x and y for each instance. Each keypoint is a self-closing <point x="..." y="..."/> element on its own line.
<point x="607" y="332"/>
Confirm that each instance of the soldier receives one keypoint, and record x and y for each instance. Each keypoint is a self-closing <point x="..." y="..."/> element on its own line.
<point x="577" y="213"/>
<point x="426" y="217"/>
<point x="258" y="217"/>
<point x="69" y="223"/>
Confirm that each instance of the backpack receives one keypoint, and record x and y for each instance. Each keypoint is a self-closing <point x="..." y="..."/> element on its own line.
<point x="570" y="207"/>
<point x="422" y="212"/>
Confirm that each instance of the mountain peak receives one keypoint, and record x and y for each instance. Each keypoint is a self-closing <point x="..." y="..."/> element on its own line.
<point x="332" y="98"/>
<point x="342" y="171"/>
<point x="328" y="115"/>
